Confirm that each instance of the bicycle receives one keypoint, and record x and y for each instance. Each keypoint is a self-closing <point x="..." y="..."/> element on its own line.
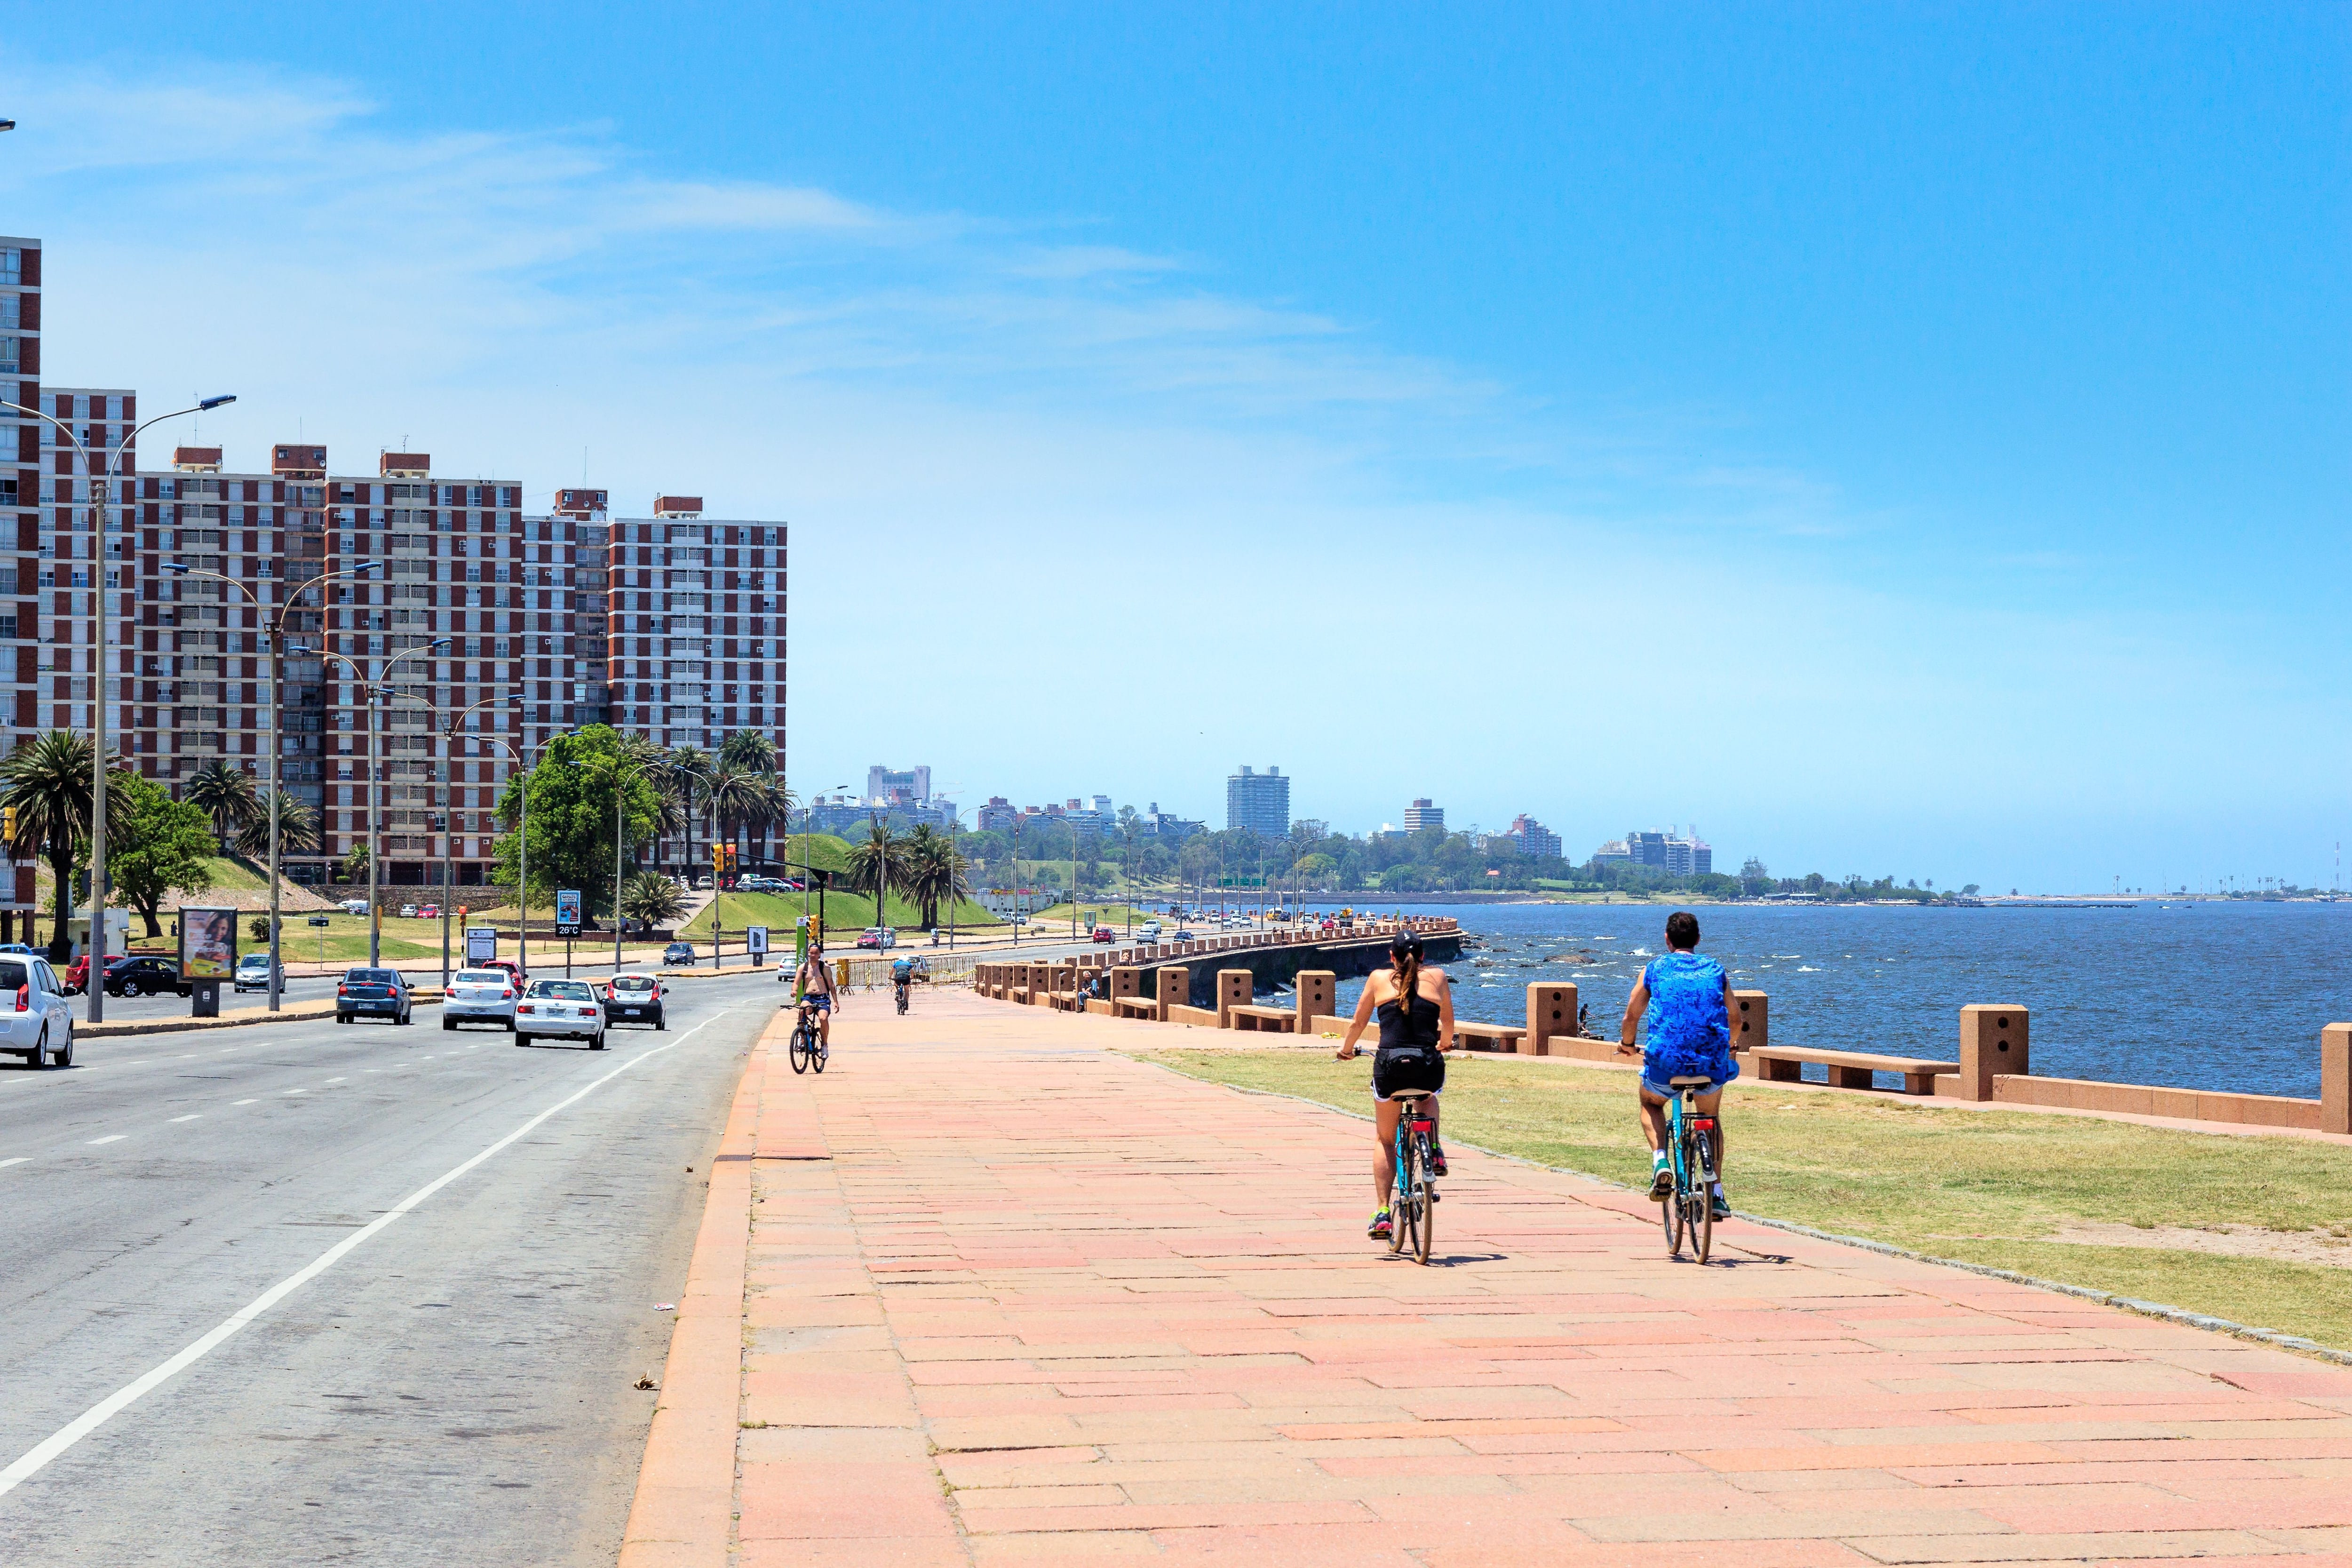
<point x="1412" y="1207"/>
<point x="903" y="989"/>
<point x="1689" y="1209"/>
<point x="808" y="1047"/>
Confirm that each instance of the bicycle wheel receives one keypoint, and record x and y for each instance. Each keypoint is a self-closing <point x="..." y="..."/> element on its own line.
<point x="1702" y="1211"/>
<point x="1424" y="1204"/>
<point x="1670" y="1216"/>
<point x="800" y="1050"/>
<point x="818" y="1052"/>
<point x="1400" y="1199"/>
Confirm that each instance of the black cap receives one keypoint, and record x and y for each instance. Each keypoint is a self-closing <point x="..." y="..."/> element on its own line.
<point x="1405" y="944"/>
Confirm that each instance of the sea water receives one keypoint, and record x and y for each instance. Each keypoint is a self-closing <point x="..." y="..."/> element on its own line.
<point x="2226" y="994"/>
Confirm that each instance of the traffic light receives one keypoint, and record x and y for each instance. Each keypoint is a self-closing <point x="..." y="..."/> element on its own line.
<point x="9" y="823"/>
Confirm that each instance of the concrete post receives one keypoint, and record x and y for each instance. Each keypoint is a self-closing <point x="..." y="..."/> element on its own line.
<point x="1235" y="987"/>
<point x="1175" y="990"/>
<point x="1064" y="976"/>
<point x="1126" y="980"/>
<point x="1992" y="1044"/>
<point x="1318" y="992"/>
<point x="2336" y="1078"/>
<point x="1551" y="1010"/>
<point x="1751" y="1021"/>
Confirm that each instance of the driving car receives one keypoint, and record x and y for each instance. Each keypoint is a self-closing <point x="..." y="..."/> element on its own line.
<point x="1148" y="932"/>
<point x="252" y="973"/>
<point x="877" y="937"/>
<point x="637" y="997"/>
<point x="1104" y="934"/>
<point x="506" y="966"/>
<point x="701" y="884"/>
<point x="479" y="997"/>
<point x="678" y="953"/>
<point x="565" y="1009"/>
<point x="1183" y="935"/>
<point x="375" y="992"/>
<point x="145" y="977"/>
<point x="36" y="1019"/>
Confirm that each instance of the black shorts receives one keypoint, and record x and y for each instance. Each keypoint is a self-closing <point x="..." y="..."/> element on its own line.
<point x="1411" y="1069"/>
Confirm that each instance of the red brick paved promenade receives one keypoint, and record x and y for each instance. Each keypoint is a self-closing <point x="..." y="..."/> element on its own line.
<point x="1007" y="1298"/>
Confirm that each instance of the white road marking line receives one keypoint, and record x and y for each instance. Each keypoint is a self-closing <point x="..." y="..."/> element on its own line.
<point x="96" y="1415"/>
<point x="337" y="1078"/>
<point x="18" y="1161"/>
<point x="242" y="1103"/>
<point x="298" y="1091"/>
<point x="198" y="1117"/>
<point x="112" y="1138"/>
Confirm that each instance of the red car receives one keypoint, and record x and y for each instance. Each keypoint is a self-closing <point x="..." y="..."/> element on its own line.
<point x="507" y="964"/>
<point x="1104" y="934"/>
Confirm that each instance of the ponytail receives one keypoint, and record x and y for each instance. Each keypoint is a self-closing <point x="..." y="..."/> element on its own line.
<point x="1407" y="973"/>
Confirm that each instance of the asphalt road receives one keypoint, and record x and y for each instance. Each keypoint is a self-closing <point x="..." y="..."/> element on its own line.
<point x="455" y="1386"/>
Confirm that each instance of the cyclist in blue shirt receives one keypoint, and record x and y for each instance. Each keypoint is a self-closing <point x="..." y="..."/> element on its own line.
<point x="1685" y="1000"/>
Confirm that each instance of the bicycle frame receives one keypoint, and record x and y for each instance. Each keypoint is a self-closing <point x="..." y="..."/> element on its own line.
<point x="1690" y="1138"/>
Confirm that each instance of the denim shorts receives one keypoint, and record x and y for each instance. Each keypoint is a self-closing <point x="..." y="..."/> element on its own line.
<point x="821" y="1004"/>
<point x="1667" y="1091"/>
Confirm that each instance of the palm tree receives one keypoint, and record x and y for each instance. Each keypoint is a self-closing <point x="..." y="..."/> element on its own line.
<point x="935" y="871"/>
<point x="226" y="795"/>
<point x="738" y="798"/>
<point x="877" y="866"/>
<point x="46" y="779"/>
<point x="653" y="899"/>
<point x="685" y="775"/>
<point x="298" y="828"/>
<point x="750" y="752"/>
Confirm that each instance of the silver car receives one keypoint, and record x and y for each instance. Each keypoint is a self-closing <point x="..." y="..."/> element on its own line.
<point x="36" y="1019"/>
<point x="479" y="997"/>
<point x="568" y="1009"/>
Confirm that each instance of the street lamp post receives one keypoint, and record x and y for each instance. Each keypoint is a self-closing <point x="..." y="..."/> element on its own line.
<point x="522" y="897"/>
<point x="375" y="689"/>
<point x="277" y="694"/>
<point x="105" y="481"/>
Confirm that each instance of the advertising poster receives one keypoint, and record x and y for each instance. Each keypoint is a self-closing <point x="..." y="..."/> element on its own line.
<point x="567" y="911"/>
<point x="207" y="944"/>
<point x="481" y="946"/>
<point x="755" y="942"/>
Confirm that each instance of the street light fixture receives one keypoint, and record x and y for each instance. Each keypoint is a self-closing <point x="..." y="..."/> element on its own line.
<point x="276" y="693"/>
<point x="375" y="690"/>
<point x="105" y="483"/>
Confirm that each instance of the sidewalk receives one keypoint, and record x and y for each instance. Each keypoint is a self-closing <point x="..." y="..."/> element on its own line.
<point x="986" y="1293"/>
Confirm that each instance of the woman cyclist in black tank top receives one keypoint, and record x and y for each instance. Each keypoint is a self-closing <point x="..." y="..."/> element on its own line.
<point x="1415" y="1008"/>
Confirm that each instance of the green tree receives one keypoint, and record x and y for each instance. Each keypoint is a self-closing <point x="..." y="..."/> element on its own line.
<point x="155" y="844"/>
<point x="298" y="829"/>
<point x="355" y="864"/>
<point x="750" y="752"/>
<point x="573" y="791"/>
<point x="653" y="899"/>
<point x="878" y="864"/>
<point x="935" y="874"/>
<point x="47" y="779"/>
<point x="226" y="795"/>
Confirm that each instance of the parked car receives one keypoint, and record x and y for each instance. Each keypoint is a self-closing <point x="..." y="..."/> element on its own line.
<point x="428" y="912"/>
<point x="637" y="998"/>
<point x="701" y="884"/>
<point x="678" y="953"/>
<point x="36" y="1019"/>
<point x="353" y="906"/>
<point x="375" y="993"/>
<point x="252" y="973"/>
<point x="483" y="996"/>
<point x="408" y="911"/>
<point x="147" y="977"/>
<point x="563" y="1009"/>
<point x="1104" y="934"/>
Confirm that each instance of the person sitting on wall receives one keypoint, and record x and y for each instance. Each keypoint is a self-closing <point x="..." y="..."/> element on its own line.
<point x="1685" y="1000"/>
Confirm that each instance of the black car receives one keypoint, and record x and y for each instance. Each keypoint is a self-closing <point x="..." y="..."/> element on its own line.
<point x="637" y="998"/>
<point x="145" y="977"/>
<point x="375" y="992"/>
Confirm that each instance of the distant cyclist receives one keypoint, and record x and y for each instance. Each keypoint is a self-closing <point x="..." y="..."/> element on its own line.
<point x="815" y="982"/>
<point x="902" y="976"/>
<point x="1686" y="1002"/>
<point x="1415" y="1007"/>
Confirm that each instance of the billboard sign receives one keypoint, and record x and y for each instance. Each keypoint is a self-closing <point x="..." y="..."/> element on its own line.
<point x="207" y="944"/>
<point x="481" y="946"/>
<point x="567" y="911"/>
<point x="755" y="942"/>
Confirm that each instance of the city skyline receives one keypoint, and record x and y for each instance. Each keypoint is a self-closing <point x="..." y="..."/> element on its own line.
<point x="1971" y="376"/>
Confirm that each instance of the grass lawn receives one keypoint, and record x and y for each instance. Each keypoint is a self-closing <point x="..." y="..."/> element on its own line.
<point x="1092" y="913"/>
<point x="850" y="912"/>
<point x="1982" y="1187"/>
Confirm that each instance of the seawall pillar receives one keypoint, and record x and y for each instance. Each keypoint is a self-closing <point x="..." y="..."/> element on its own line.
<point x="1993" y="1043"/>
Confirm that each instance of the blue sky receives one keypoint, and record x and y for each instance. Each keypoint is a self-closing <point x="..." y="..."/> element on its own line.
<point x="1897" y="439"/>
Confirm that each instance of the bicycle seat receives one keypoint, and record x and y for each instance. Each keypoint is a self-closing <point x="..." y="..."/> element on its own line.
<point x="1400" y="1096"/>
<point x="1685" y="1081"/>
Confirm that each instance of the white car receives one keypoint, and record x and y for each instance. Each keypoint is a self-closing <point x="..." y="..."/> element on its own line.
<point x="353" y="906"/>
<point x="36" y="1019"/>
<point x="567" y="1009"/>
<point x="479" y="997"/>
<point x="252" y="973"/>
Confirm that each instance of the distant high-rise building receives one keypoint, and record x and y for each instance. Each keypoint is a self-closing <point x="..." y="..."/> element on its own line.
<point x="1532" y="837"/>
<point x="1169" y="829"/>
<point x="1420" y="814"/>
<point x="1259" y="802"/>
<point x="997" y="815"/>
<point x="886" y="784"/>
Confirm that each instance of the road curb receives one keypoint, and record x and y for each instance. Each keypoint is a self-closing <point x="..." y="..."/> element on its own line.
<point x="684" y="1513"/>
<point x="299" y="1013"/>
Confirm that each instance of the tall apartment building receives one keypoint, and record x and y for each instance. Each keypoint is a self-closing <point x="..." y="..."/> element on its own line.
<point x="890" y="783"/>
<point x="1420" y="814"/>
<point x="1532" y="837"/>
<point x="20" y="519"/>
<point x="1259" y="802"/>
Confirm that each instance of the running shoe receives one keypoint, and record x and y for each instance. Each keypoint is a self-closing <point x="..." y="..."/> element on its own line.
<point x="1381" y="1227"/>
<point x="1436" y="1161"/>
<point x="1661" y="1182"/>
